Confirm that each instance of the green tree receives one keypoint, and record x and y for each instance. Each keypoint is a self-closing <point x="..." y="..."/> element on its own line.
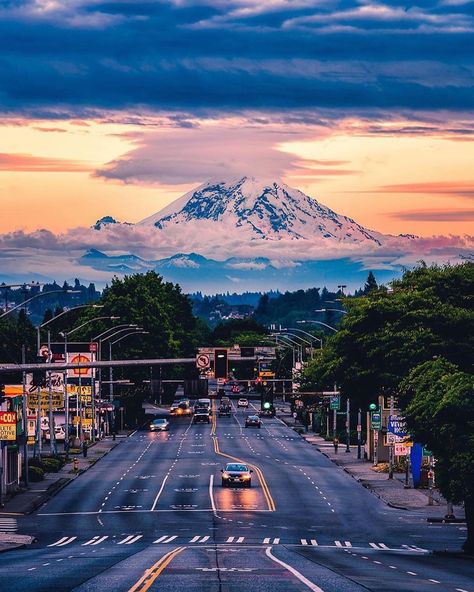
<point x="385" y="334"/>
<point x="370" y="284"/>
<point x="441" y="415"/>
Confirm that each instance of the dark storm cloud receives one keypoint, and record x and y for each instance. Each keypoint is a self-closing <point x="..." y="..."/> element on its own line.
<point x="74" y="56"/>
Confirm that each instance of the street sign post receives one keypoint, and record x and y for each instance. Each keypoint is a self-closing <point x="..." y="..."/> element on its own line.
<point x="203" y="361"/>
<point x="375" y="420"/>
<point x="335" y="403"/>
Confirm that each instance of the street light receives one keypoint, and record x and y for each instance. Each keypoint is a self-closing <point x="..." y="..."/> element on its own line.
<point x="41" y="294"/>
<point x="331" y="310"/>
<point x="310" y="335"/>
<point x="66" y="334"/>
<point x="319" y="323"/>
<point x="138" y="331"/>
<point x="341" y="288"/>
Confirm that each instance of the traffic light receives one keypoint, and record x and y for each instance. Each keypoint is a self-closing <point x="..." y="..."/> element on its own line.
<point x="220" y="363"/>
<point x="372" y="407"/>
<point x="266" y="402"/>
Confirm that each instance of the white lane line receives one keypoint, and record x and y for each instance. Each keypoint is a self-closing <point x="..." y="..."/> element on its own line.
<point x="161" y="539"/>
<point x="125" y="540"/>
<point x="412" y="573"/>
<point x="195" y="539"/>
<point x="100" y="540"/>
<point x="134" y="539"/>
<point x="171" y="538"/>
<point x="304" y="542"/>
<point x="204" y="539"/>
<point x="266" y="541"/>
<point x="292" y="570"/>
<point x="276" y="541"/>
<point x="230" y="540"/>
<point x="434" y="581"/>
<point x="240" y="540"/>
<point x="62" y="542"/>
<point x="211" y="495"/>
<point x="159" y="493"/>
<point x="92" y="541"/>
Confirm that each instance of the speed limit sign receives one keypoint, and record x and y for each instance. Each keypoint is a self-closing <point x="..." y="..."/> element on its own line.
<point x="203" y="361"/>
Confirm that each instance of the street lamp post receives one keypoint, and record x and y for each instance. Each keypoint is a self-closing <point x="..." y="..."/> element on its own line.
<point x="66" y="334"/>
<point x="40" y="295"/>
<point x="111" y="343"/>
<point x="319" y="323"/>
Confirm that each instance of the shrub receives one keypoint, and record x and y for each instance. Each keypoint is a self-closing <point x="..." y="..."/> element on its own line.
<point x="35" y="473"/>
<point x="50" y="465"/>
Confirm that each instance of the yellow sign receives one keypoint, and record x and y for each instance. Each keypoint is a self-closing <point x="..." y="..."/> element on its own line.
<point x="76" y="420"/>
<point x="86" y="423"/>
<point x="73" y="389"/>
<point x="56" y="398"/>
<point x="266" y="374"/>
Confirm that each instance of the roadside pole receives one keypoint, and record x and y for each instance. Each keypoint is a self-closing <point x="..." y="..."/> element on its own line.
<point x="348" y="425"/>
<point x="376" y="448"/>
<point x="392" y="446"/>
<point x="66" y="400"/>
<point x="52" y="431"/>
<point x="359" y="433"/>
<point x="334" y="423"/>
<point x="25" y="420"/>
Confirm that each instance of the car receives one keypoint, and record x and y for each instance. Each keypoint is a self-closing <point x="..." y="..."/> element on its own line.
<point x="159" y="425"/>
<point x="236" y="474"/>
<point x="224" y="409"/>
<point x="253" y="421"/>
<point x="59" y="433"/>
<point x="174" y="408"/>
<point x="267" y="412"/>
<point x="235" y="389"/>
<point x="201" y="415"/>
<point x="242" y="403"/>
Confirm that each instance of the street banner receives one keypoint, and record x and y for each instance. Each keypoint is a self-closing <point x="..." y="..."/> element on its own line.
<point x="7" y="425"/>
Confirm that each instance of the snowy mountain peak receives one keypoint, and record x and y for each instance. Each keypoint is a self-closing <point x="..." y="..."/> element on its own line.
<point x="266" y="209"/>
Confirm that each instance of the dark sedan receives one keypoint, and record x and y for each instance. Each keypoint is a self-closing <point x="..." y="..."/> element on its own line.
<point x="253" y="421"/>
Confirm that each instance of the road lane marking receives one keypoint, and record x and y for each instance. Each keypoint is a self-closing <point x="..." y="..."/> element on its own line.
<point x="211" y="494"/>
<point x="63" y="541"/>
<point x="230" y="539"/>
<point x="293" y="571"/>
<point x="159" y="493"/>
<point x="131" y="538"/>
<point x="151" y="574"/>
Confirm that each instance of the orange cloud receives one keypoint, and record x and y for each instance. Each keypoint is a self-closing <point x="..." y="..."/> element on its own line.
<point x="465" y="189"/>
<point x="28" y="163"/>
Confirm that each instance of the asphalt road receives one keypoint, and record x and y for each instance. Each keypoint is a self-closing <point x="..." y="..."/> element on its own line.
<point x="152" y="515"/>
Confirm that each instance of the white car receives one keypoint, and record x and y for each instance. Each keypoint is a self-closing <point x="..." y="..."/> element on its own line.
<point x="59" y="433"/>
<point x="242" y="403"/>
<point x="159" y="425"/>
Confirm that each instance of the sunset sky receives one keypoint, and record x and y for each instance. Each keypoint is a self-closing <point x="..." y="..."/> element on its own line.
<point x="119" y="107"/>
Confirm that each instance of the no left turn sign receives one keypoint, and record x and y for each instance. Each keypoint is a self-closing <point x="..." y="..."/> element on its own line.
<point x="203" y="361"/>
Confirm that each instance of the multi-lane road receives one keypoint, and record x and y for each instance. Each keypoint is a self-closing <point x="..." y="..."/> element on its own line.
<point x="152" y="515"/>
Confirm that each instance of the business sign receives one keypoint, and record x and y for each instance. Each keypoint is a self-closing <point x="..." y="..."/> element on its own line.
<point x="75" y="389"/>
<point x="7" y="425"/>
<point x="401" y="450"/>
<point x="57" y="400"/>
<point x="266" y="374"/>
<point x="80" y="358"/>
<point x="391" y="439"/>
<point x="396" y="425"/>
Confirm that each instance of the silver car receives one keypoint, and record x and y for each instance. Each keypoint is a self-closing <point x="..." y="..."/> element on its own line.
<point x="236" y="474"/>
<point x="159" y="425"/>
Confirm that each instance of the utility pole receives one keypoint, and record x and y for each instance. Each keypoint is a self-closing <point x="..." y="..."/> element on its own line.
<point x="391" y="447"/>
<point x="348" y="425"/>
<point x="25" y="420"/>
<point x="359" y="432"/>
<point x="52" y="431"/>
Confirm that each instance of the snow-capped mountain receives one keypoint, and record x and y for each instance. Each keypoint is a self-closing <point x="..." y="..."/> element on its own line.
<point x="259" y="210"/>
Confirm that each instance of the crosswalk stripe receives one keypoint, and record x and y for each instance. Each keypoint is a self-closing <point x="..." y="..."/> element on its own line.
<point x="195" y="539"/>
<point x="304" y="542"/>
<point x="63" y="541"/>
<point x="314" y="542"/>
<point x="204" y="539"/>
<point x="276" y="541"/>
<point x="128" y="539"/>
<point x="134" y="539"/>
<point x="91" y="542"/>
<point x="266" y="541"/>
<point x="240" y="539"/>
<point x="100" y="540"/>
<point x="338" y="543"/>
<point x="374" y="545"/>
<point x="171" y="538"/>
<point x="161" y="539"/>
<point x="230" y="540"/>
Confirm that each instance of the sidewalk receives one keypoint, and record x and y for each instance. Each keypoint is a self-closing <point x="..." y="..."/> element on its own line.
<point x="390" y="491"/>
<point x="28" y="500"/>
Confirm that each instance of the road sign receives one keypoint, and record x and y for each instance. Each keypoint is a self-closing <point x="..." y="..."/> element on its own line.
<point x="7" y="425"/>
<point x="391" y="439"/>
<point x="335" y="403"/>
<point x="203" y="361"/>
<point x="267" y="374"/>
<point x="376" y="420"/>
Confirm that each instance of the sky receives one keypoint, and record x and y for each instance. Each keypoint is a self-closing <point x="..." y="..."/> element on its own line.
<point x="117" y="108"/>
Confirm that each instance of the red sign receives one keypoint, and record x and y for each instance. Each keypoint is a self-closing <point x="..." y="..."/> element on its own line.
<point x="7" y="425"/>
<point x="93" y="347"/>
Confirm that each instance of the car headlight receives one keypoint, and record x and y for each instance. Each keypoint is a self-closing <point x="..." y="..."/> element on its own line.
<point x="225" y="475"/>
<point x="246" y="476"/>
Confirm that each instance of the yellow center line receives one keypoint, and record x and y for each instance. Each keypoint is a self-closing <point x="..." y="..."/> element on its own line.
<point x="151" y="574"/>
<point x="266" y="489"/>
